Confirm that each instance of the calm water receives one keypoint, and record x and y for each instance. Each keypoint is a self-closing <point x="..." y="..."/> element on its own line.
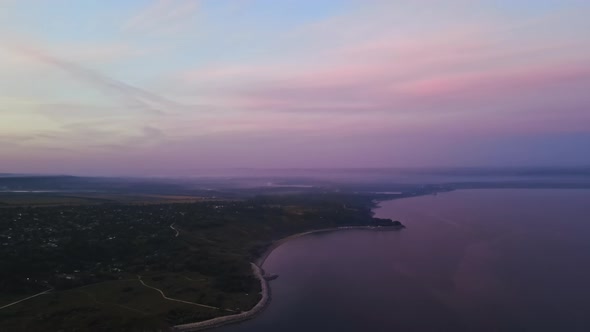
<point x="474" y="260"/>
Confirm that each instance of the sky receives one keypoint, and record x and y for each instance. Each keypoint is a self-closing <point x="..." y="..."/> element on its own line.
<point x="169" y="87"/>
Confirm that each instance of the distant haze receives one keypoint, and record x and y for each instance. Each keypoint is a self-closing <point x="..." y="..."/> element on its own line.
<point x="167" y="87"/>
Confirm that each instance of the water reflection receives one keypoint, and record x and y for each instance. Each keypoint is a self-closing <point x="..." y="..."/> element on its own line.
<point x="469" y="260"/>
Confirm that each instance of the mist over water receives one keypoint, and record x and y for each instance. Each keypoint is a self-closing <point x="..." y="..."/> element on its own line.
<point x="470" y="260"/>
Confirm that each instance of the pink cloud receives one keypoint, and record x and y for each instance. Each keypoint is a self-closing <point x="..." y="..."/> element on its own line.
<point x="495" y="82"/>
<point x="391" y="75"/>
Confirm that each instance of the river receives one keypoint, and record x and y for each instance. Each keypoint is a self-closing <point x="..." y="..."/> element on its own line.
<point x="469" y="260"/>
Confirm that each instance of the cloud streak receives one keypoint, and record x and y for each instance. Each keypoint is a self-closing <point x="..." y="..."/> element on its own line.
<point x="134" y="97"/>
<point x="300" y="83"/>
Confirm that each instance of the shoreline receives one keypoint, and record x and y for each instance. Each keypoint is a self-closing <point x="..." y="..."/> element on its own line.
<point x="264" y="283"/>
<point x="236" y="318"/>
<point x="260" y="261"/>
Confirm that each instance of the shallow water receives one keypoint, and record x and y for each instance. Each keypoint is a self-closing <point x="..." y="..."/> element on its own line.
<point x="471" y="260"/>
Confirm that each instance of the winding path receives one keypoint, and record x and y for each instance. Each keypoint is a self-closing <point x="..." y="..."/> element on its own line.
<point x="176" y="230"/>
<point x="220" y="321"/>
<point x="177" y="300"/>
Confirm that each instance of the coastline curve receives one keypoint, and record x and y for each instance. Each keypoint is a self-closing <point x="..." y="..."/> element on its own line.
<point x="264" y="283"/>
<point x="225" y="320"/>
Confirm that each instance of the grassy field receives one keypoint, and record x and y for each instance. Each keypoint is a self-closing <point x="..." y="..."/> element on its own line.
<point x="57" y="199"/>
<point x="33" y="199"/>
<point x="123" y="304"/>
